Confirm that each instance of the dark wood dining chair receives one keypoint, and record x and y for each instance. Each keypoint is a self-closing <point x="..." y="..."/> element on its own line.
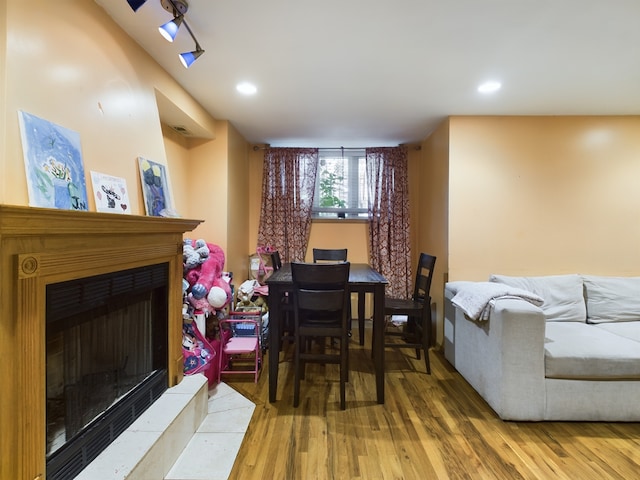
<point x="320" y="309"/>
<point x="416" y="333"/>
<point x="340" y="255"/>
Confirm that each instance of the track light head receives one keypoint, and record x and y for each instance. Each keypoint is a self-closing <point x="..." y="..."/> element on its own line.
<point x="170" y="29"/>
<point x="187" y="58"/>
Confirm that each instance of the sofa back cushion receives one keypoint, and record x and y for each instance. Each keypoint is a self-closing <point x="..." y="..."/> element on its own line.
<point x="612" y="299"/>
<point x="563" y="294"/>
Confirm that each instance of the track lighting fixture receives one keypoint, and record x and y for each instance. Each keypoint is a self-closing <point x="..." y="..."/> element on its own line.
<point x="170" y="29"/>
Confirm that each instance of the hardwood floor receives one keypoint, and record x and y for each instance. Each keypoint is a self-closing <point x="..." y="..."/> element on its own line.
<point x="431" y="427"/>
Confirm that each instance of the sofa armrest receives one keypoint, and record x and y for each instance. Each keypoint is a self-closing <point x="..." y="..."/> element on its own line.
<point x="503" y="358"/>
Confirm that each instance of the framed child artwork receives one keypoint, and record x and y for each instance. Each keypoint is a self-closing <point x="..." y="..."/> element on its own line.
<point x="110" y="193"/>
<point x="155" y="188"/>
<point x="53" y="164"/>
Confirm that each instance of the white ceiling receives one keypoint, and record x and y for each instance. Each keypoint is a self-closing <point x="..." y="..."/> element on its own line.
<point x="359" y="73"/>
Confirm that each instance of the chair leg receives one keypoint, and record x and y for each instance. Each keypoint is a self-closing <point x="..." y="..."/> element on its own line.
<point x="344" y="372"/>
<point x="426" y="342"/>
<point x="257" y="367"/>
<point x="413" y="333"/>
<point x="426" y="361"/>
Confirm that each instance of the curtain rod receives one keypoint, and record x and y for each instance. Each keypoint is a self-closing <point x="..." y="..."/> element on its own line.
<point x="264" y="147"/>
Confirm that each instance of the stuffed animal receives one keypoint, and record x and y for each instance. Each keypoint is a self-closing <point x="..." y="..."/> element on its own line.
<point x="208" y="291"/>
<point x="218" y="296"/>
<point x="194" y="253"/>
<point x="245" y="295"/>
<point x="200" y="304"/>
<point x="252" y="305"/>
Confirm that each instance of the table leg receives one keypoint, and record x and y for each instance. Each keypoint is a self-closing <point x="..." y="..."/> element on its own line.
<point x="275" y="323"/>
<point x="361" y="299"/>
<point x="378" y="339"/>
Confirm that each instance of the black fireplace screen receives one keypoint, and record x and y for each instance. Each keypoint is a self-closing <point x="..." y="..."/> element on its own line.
<point x="106" y="341"/>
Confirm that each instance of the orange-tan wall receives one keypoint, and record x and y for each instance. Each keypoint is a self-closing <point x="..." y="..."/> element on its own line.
<point x="3" y="86"/>
<point x="541" y="195"/>
<point x="534" y="196"/>
<point x="73" y="66"/>
<point x="433" y="208"/>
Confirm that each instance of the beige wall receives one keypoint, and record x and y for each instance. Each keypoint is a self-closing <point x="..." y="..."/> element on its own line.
<point x="544" y="195"/>
<point x="213" y="179"/>
<point x="238" y="206"/>
<point x="433" y="208"/>
<point x="176" y="148"/>
<point x="208" y="186"/>
<point x="3" y="94"/>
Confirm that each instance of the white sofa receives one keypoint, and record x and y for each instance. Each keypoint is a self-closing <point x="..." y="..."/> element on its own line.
<point x="575" y="357"/>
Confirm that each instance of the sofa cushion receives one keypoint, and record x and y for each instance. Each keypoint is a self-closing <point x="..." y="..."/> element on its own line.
<point x="583" y="351"/>
<point x="563" y="295"/>
<point x="630" y="330"/>
<point x="612" y="299"/>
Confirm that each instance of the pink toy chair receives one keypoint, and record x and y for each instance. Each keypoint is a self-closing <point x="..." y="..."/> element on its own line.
<point x="242" y="346"/>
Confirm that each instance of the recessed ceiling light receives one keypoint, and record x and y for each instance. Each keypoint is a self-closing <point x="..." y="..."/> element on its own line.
<point x="489" y="87"/>
<point x="246" y="88"/>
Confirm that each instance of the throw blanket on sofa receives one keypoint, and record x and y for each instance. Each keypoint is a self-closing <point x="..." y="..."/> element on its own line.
<point x="476" y="298"/>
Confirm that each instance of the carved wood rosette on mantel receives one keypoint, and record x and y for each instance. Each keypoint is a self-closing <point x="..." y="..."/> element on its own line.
<point x="45" y="246"/>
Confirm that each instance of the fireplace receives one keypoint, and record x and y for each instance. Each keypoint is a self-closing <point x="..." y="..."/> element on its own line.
<point x="69" y="282"/>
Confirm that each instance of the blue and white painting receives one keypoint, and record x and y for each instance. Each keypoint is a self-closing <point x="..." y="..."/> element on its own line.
<point x="53" y="162"/>
<point x="155" y="188"/>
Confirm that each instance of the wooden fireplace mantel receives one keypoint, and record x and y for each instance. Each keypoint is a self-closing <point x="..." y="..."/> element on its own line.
<point x="42" y="246"/>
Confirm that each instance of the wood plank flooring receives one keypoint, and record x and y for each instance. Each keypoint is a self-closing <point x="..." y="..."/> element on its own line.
<point x="431" y="427"/>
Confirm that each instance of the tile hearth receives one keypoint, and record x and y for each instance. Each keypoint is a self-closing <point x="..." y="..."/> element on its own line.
<point x="190" y="433"/>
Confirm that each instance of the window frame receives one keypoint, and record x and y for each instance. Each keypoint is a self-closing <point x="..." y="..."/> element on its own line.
<point x="352" y="158"/>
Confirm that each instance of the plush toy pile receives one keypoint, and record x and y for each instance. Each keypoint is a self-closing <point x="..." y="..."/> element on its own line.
<point x="206" y="293"/>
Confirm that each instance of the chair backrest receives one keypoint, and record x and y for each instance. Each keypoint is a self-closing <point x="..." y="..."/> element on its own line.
<point x="329" y="255"/>
<point x="321" y="291"/>
<point x="424" y="275"/>
<point x="276" y="262"/>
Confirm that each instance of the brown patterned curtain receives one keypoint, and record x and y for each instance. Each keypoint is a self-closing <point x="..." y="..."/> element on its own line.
<point x="288" y="181"/>
<point x="389" y="226"/>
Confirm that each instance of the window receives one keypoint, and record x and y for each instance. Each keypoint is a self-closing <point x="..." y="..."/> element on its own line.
<point x="340" y="190"/>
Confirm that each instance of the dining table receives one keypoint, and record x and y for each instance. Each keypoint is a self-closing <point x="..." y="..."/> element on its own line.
<point x="362" y="279"/>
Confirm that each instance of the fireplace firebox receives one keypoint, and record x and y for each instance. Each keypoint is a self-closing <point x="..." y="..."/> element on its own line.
<point x="106" y="341"/>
